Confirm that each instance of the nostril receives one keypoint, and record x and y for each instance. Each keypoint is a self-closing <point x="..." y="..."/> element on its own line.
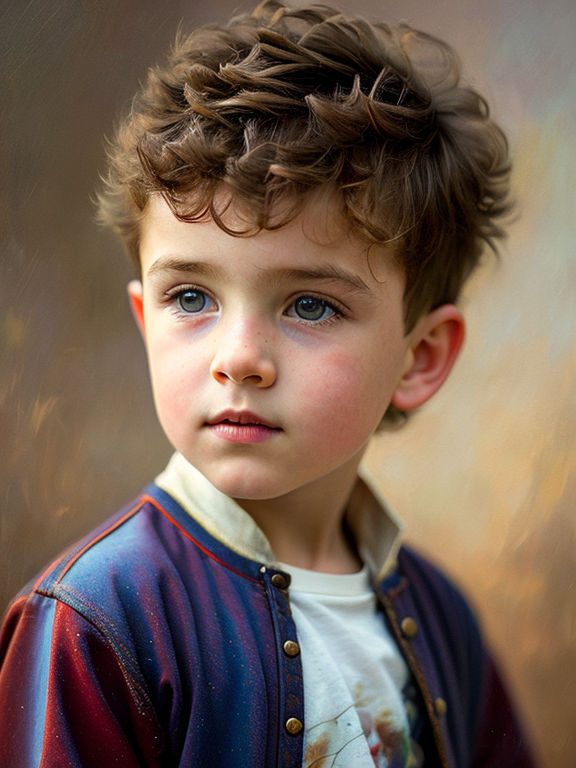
<point x="244" y="369"/>
<point x="223" y="377"/>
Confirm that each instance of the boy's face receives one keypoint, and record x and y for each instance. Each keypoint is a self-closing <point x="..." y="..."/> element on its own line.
<point x="274" y="357"/>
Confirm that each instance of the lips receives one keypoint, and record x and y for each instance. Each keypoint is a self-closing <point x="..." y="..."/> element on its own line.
<point x="242" y="427"/>
<point x="243" y="418"/>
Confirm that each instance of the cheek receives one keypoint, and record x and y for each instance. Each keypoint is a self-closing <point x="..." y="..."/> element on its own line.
<point x="174" y="376"/>
<point x="347" y="395"/>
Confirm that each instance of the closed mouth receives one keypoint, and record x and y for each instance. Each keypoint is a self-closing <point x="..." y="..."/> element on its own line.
<point x="241" y="418"/>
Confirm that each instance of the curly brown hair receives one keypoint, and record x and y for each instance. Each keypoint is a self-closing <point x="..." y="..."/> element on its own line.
<point x="276" y="103"/>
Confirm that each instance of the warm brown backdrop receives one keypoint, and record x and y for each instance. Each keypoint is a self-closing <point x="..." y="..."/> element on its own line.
<point x="484" y="476"/>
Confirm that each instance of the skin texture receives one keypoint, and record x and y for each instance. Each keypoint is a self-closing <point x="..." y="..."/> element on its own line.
<point x="273" y="358"/>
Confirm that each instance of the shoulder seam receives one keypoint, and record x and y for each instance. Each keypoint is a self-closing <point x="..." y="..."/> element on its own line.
<point x="93" y="616"/>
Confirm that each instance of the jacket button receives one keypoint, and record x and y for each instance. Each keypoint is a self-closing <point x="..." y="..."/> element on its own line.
<point x="279" y="581"/>
<point x="291" y="648"/>
<point x="294" y="726"/>
<point x="409" y="627"/>
<point x="440" y="706"/>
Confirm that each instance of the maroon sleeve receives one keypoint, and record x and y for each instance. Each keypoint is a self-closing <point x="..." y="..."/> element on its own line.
<point x="65" y="698"/>
<point x="500" y="742"/>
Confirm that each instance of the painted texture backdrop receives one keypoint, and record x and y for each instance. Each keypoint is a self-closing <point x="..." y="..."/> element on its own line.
<point x="484" y="475"/>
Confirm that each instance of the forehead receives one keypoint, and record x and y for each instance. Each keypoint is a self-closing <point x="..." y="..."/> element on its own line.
<point x="318" y="237"/>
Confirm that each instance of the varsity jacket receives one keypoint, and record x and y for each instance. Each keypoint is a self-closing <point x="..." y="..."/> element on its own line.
<point x="153" y="643"/>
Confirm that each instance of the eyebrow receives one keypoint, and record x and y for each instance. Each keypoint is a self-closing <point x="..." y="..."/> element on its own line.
<point x="177" y="264"/>
<point x="270" y="276"/>
<point x="327" y="273"/>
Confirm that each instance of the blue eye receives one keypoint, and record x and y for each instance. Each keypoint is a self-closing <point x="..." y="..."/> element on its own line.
<point x="192" y="301"/>
<point x="313" y="309"/>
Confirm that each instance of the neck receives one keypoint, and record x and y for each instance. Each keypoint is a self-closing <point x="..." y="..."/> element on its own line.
<point x="306" y="528"/>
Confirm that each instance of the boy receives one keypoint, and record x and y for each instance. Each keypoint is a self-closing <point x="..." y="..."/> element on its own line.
<point x="304" y="196"/>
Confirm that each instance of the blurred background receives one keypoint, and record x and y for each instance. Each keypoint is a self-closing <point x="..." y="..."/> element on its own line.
<point x="484" y="476"/>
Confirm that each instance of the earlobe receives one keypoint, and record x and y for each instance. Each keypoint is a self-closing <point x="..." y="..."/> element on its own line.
<point x="137" y="304"/>
<point x="436" y="343"/>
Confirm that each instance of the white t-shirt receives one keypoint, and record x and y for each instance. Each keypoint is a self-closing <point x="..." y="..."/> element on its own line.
<point x="353" y="674"/>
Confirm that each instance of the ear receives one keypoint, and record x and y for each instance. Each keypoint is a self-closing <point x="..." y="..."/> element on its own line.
<point x="435" y="343"/>
<point x="137" y="304"/>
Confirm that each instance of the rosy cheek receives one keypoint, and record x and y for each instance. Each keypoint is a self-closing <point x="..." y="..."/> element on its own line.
<point x="345" y="375"/>
<point x="345" y="395"/>
<point x="172" y="379"/>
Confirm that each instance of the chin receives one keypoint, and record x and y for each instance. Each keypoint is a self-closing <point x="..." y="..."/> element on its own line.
<point x="248" y="486"/>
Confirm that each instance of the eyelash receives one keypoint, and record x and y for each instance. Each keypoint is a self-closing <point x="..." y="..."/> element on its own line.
<point x="337" y="312"/>
<point x="174" y="296"/>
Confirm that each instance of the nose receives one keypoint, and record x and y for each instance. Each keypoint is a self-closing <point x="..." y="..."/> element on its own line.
<point x="243" y="356"/>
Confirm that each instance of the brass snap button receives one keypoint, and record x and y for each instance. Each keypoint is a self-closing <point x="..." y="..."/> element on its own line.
<point x="291" y="648"/>
<point x="279" y="581"/>
<point x="440" y="706"/>
<point x="409" y="627"/>
<point x="294" y="726"/>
